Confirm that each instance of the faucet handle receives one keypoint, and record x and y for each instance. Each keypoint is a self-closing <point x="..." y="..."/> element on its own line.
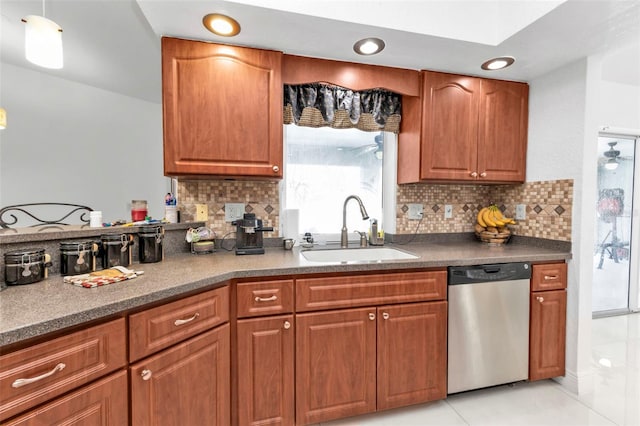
<point x="363" y="238"/>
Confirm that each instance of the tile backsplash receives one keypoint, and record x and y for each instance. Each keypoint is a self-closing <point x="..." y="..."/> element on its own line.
<point x="548" y="205"/>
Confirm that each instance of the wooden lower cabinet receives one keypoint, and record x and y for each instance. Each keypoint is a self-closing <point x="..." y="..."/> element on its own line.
<point x="412" y="354"/>
<point x="355" y="361"/>
<point x="102" y="403"/>
<point x="547" y="334"/>
<point x="335" y="364"/>
<point x="187" y="384"/>
<point x="265" y="356"/>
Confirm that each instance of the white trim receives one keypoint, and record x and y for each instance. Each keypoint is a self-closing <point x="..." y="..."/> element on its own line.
<point x="578" y="384"/>
<point x="619" y="131"/>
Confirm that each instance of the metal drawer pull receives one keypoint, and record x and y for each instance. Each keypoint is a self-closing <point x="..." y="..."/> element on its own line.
<point x="287" y="325"/>
<point x="184" y="321"/>
<point x="540" y="299"/>
<point x="21" y="382"/>
<point x="146" y="374"/>
<point x="266" y="299"/>
<point x="550" y="277"/>
<point x="372" y="316"/>
<point x="474" y="174"/>
<point x="385" y="315"/>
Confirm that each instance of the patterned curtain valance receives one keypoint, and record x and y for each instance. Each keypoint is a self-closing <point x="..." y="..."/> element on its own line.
<point x="324" y="105"/>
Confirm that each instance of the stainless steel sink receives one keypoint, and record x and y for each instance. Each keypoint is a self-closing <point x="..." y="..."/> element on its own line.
<point x="370" y="254"/>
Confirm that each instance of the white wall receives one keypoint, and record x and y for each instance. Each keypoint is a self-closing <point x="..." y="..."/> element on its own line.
<point x="73" y="143"/>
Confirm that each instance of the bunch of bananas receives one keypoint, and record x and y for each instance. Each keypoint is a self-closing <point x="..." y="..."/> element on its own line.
<point x="491" y="220"/>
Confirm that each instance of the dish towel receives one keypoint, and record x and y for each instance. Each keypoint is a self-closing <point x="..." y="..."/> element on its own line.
<point x="104" y="277"/>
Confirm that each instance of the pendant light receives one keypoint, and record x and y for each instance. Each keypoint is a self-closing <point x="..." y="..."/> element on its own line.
<point x="43" y="41"/>
<point x="3" y="118"/>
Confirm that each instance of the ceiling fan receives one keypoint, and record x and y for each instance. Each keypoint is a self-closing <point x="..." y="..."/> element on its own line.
<point x="377" y="147"/>
<point x="612" y="155"/>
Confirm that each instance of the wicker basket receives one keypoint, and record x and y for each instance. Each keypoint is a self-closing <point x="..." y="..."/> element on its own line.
<point x="496" y="238"/>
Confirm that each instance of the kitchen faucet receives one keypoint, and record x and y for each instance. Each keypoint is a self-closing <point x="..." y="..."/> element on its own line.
<point x="344" y="239"/>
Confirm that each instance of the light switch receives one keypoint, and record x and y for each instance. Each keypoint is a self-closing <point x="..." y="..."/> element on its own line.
<point x="448" y="211"/>
<point x="521" y="212"/>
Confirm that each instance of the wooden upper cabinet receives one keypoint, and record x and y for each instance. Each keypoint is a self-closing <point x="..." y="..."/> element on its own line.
<point x="222" y="110"/>
<point x="502" y="132"/>
<point x="472" y="130"/>
<point x="449" y="126"/>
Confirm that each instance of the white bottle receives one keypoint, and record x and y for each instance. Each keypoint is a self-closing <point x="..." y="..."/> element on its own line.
<point x="95" y="219"/>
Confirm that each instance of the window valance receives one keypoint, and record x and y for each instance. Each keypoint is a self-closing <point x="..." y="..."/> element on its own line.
<point x="324" y="105"/>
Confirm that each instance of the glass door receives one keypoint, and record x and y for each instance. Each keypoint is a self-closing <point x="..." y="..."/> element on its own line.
<point x="615" y="277"/>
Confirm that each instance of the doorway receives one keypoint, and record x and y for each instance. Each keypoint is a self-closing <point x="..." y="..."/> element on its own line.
<point x="615" y="261"/>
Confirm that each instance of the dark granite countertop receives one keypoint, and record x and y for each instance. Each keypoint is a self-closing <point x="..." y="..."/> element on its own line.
<point x="33" y="310"/>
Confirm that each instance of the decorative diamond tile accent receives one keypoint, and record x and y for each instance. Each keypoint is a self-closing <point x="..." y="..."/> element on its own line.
<point x="465" y="208"/>
<point x="248" y="208"/>
<point x="435" y="208"/>
<point x="559" y="210"/>
<point x="537" y="209"/>
<point x="268" y="209"/>
<point x="405" y="209"/>
<point x="502" y="208"/>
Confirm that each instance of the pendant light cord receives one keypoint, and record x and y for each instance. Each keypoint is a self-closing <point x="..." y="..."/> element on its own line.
<point x="43" y="15"/>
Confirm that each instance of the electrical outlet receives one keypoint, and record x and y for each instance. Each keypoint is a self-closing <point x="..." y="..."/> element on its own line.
<point x="448" y="211"/>
<point x="202" y="213"/>
<point x="521" y="212"/>
<point x="233" y="211"/>
<point x="415" y="211"/>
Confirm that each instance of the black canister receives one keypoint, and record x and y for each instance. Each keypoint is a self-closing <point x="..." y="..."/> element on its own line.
<point x="25" y="266"/>
<point x="150" y="248"/>
<point x="115" y="250"/>
<point x="77" y="257"/>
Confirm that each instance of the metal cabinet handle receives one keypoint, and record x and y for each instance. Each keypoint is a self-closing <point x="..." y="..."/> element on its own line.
<point x="184" y="321"/>
<point x="483" y="174"/>
<point x="276" y="169"/>
<point x="385" y="315"/>
<point x="266" y="299"/>
<point x="550" y="277"/>
<point x="540" y="299"/>
<point x="287" y="325"/>
<point x="146" y="374"/>
<point x="372" y="316"/>
<point x="474" y="174"/>
<point x="21" y="382"/>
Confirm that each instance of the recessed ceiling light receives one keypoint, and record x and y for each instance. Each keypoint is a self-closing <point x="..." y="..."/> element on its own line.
<point x="368" y="46"/>
<point x="221" y="25"/>
<point x="498" y="63"/>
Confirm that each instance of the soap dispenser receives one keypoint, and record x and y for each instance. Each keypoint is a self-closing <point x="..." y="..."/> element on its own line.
<point x="376" y="236"/>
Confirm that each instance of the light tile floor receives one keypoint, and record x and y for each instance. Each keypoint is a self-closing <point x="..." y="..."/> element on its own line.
<point x="614" y="400"/>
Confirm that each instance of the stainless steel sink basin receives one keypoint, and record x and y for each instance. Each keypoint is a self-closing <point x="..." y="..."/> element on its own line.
<point x="370" y="254"/>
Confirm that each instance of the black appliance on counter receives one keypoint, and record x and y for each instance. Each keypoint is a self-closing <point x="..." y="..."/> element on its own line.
<point x="249" y="234"/>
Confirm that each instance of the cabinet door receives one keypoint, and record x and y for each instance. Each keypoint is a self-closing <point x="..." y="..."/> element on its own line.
<point x="102" y="403"/>
<point x="547" y="334"/>
<point x="449" y="126"/>
<point x="502" y="133"/>
<point x="222" y="110"/>
<point x="265" y="371"/>
<point x="412" y="354"/>
<point x="335" y="364"/>
<point x="187" y="384"/>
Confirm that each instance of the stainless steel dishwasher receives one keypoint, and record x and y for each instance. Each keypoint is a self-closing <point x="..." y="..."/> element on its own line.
<point x="488" y="326"/>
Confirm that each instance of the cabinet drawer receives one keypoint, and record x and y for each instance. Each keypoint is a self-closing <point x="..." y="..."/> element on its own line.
<point x="158" y="328"/>
<point x="313" y="294"/>
<point x="41" y="372"/>
<point x="265" y="298"/>
<point x="101" y="403"/>
<point x="549" y="276"/>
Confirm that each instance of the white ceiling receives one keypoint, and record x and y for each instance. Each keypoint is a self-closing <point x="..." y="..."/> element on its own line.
<point x="114" y="44"/>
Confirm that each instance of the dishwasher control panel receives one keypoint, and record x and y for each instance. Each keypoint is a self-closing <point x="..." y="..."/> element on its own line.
<point x="492" y="272"/>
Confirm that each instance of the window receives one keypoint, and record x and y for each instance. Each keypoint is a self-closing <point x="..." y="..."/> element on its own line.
<point x="323" y="166"/>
